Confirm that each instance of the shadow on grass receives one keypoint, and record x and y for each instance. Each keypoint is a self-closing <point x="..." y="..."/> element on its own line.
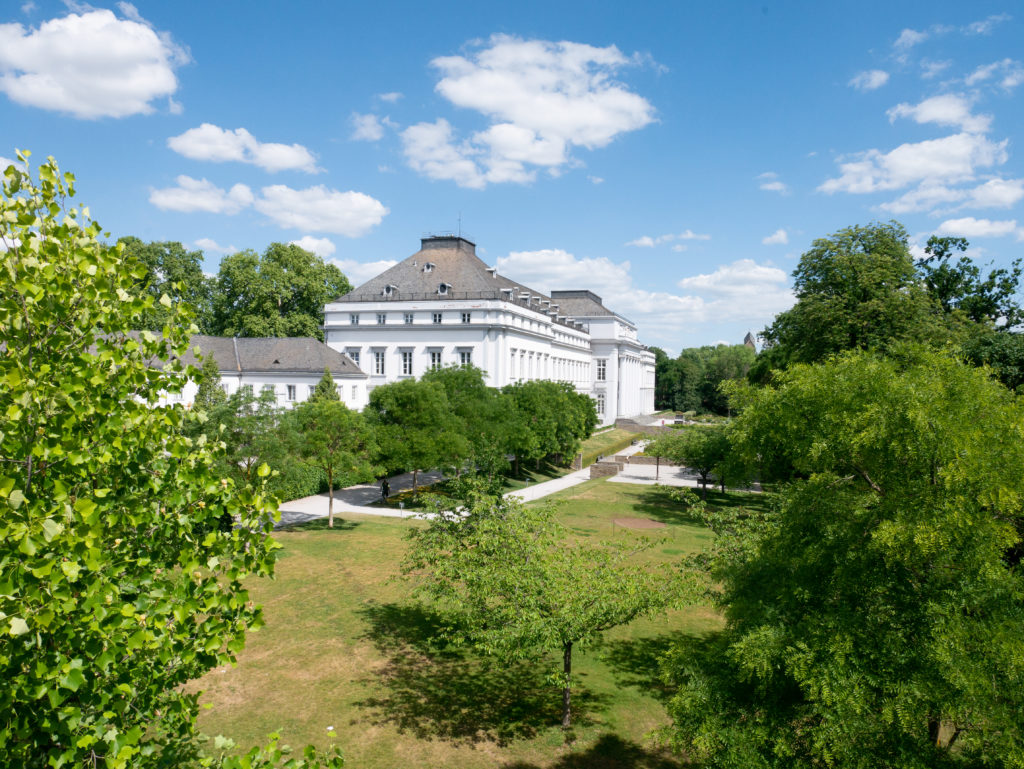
<point x="435" y="691"/>
<point x="319" y="524"/>
<point x="658" y="505"/>
<point x="637" y="662"/>
<point x="610" y="752"/>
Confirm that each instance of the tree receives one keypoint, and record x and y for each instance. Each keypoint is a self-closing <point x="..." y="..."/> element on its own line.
<point x="857" y="289"/>
<point x="279" y="293"/>
<point x="511" y="582"/>
<point x="333" y="439"/>
<point x="326" y="389"/>
<point x="960" y="287"/>
<point x="209" y="394"/>
<point x="172" y="271"/>
<point x="414" y="427"/>
<point x="704" y="449"/>
<point x="549" y="418"/>
<point x="873" y="618"/>
<point x="118" y="584"/>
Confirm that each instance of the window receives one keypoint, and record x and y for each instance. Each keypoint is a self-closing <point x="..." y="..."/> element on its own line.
<point x="355" y="391"/>
<point x="268" y="389"/>
<point x="354" y="355"/>
<point x="437" y="317"/>
<point x="247" y="389"/>
<point x="381" y="318"/>
<point x="291" y="392"/>
<point x="310" y="389"/>
<point x="407" y="363"/>
<point x="408" y="319"/>
<point x="465" y="357"/>
<point x="467" y="317"/>
<point x="435" y="359"/>
<point x="224" y="387"/>
<point x="443" y="289"/>
<point x="600" y="404"/>
<point x="602" y="370"/>
<point x="353" y="319"/>
<point x="378" y="362"/>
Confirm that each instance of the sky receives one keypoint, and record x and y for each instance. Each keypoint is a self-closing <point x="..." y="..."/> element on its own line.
<point x="676" y="158"/>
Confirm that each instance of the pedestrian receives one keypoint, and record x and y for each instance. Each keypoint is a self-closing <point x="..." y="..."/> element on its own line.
<point x="385" y="490"/>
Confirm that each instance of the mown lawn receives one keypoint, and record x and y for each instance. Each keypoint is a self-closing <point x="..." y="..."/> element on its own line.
<point x="343" y="649"/>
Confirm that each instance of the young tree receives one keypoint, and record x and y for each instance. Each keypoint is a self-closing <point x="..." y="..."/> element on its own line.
<point x="279" y="293"/>
<point x="118" y="584"/>
<point x="703" y="449"/>
<point x="334" y="439"/>
<point x="209" y="394"/>
<point x="873" y="619"/>
<point x="326" y="389"/>
<point x="512" y="583"/>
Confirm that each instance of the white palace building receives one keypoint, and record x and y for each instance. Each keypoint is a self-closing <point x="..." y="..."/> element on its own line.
<point x="444" y="306"/>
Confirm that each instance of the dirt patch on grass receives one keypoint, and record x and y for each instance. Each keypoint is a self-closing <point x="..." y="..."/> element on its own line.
<point x="638" y="523"/>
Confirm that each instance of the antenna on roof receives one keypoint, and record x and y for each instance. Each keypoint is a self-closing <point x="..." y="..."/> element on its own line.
<point x="460" y="224"/>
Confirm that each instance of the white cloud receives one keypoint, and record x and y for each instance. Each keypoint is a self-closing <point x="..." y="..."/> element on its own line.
<point x="366" y="127"/>
<point x="779" y="237"/>
<point x="985" y="26"/>
<point x="320" y="209"/>
<point x="90" y="65"/>
<point x="909" y="38"/>
<point x="28" y="7"/>
<point x="947" y="109"/>
<point x="391" y="97"/>
<point x="951" y="159"/>
<point x="770" y="182"/>
<point x="430" y="151"/>
<point x="322" y="247"/>
<point x="220" y="145"/>
<point x="360" y="272"/>
<point x="201" y="195"/>
<point x="646" y="241"/>
<point x="869" y="80"/>
<point x="543" y="99"/>
<point x="595" y="179"/>
<point x="4" y="162"/>
<point x="743" y="291"/>
<point x="969" y="227"/>
<point x="208" y="244"/>
<point x="1008" y="72"/>
<point x="931" y="68"/>
<point x="995" y="193"/>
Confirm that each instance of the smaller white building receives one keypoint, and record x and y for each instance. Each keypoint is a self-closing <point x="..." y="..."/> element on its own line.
<point x="290" y="368"/>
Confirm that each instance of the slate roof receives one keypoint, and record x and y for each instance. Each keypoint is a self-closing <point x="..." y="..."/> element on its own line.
<point x="580" y="303"/>
<point x="451" y="261"/>
<point x="268" y="354"/>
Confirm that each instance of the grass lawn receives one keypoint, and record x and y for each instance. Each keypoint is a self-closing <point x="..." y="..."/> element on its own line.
<point x="342" y="648"/>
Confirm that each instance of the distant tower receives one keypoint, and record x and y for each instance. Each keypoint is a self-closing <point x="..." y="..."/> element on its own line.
<point x="748" y="340"/>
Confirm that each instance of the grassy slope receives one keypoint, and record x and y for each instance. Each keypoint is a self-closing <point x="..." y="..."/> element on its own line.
<point x="341" y="649"/>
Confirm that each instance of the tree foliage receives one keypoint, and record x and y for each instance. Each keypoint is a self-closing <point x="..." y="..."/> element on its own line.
<point x="173" y="271"/>
<point x="706" y="450"/>
<point x="874" y="617"/>
<point x="281" y="292"/>
<point x="693" y="381"/>
<point x="549" y="419"/>
<point x="512" y="583"/>
<point x="118" y="583"/>
<point x="326" y="389"/>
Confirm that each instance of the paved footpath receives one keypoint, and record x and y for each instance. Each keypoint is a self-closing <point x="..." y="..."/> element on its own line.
<point x="355" y="499"/>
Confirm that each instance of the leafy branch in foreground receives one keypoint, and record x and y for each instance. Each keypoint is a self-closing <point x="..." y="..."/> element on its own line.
<point x="514" y="584"/>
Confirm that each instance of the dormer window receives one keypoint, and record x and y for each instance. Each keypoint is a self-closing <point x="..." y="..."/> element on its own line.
<point x="428" y="266"/>
<point x="493" y="271"/>
<point x="389" y="290"/>
<point x="442" y="289"/>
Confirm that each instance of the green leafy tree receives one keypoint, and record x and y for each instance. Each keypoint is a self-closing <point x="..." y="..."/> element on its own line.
<point x="1002" y="351"/>
<point x="873" y="618"/>
<point x="279" y="293"/>
<point x="703" y="449"/>
<point x="209" y="394"/>
<point x="513" y="583"/>
<point x="549" y="418"/>
<point x="333" y="439"/>
<point x="414" y="427"/>
<point x="960" y="286"/>
<point x="173" y="271"/>
<point x="326" y="389"/>
<point x="118" y="582"/>
<point x="248" y="426"/>
<point x="857" y="289"/>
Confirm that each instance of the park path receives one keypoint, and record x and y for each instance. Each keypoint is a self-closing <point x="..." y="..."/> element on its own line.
<point x="356" y="499"/>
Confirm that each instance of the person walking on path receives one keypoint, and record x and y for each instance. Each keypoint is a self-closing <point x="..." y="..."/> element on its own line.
<point x="385" y="490"/>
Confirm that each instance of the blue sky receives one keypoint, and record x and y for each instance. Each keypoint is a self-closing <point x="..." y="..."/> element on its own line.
<point x="676" y="158"/>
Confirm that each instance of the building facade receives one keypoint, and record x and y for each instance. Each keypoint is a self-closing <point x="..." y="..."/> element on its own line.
<point x="444" y="306"/>
<point x="289" y="368"/>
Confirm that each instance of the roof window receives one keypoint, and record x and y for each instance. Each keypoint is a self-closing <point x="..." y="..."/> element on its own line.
<point x="429" y="266"/>
<point x="389" y="290"/>
<point x="443" y="288"/>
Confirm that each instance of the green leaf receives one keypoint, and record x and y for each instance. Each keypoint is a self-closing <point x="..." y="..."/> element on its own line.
<point x="18" y="626"/>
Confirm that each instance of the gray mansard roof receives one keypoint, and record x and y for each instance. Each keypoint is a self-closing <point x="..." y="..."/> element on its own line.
<point x="580" y="304"/>
<point x="451" y="262"/>
<point x="292" y="355"/>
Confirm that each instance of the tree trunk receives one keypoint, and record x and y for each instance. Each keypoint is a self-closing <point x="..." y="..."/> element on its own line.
<point x="567" y="687"/>
<point x="330" y="500"/>
<point x="415" y="478"/>
<point x="704" y="488"/>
